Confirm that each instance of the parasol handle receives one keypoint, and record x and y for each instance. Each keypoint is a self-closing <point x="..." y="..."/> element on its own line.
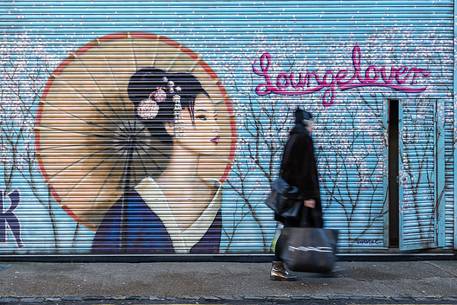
<point x="126" y="176"/>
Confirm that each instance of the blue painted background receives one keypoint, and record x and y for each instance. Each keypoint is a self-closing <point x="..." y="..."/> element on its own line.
<point x="229" y="35"/>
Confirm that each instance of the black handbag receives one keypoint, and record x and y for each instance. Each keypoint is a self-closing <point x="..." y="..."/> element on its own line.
<point x="284" y="199"/>
<point x="308" y="249"/>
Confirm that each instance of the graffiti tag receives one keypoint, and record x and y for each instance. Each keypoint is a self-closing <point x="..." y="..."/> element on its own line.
<point x="367" y="241"/>
<point x="399" y="78"/>
<point x="7" y="217"/>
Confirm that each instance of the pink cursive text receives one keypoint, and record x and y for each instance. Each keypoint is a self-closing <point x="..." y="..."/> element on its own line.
<point x="399" y="78"/>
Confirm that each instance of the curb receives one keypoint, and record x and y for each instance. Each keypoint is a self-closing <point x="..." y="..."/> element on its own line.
<point x="49" y="299"/>
<point x="229" y="258"/>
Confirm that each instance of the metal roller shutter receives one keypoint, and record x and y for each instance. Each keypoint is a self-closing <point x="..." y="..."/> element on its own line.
<point x="421" y="174"/>
<point x="83" y="151"/>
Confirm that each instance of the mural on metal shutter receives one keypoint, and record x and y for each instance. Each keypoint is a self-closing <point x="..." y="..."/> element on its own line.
<point x="94" y="125"/>
<point x="135" y="144"/>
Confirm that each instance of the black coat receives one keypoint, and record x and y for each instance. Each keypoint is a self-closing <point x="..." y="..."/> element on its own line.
<point x="299" y="168"/>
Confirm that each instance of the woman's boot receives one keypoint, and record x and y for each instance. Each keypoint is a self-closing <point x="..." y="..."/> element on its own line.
<point x="279" y="272"/>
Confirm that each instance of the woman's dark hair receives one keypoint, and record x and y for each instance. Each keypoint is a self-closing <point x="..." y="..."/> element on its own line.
<point x="302" y="116"/>
<point x="147" y="80"/>
<point x="158" y="147"/>
<point x="299" y="115"/>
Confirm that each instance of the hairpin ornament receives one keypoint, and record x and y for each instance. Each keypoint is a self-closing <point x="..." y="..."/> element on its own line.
<point x="149" y="108"/>
<point x="160" y="95"/>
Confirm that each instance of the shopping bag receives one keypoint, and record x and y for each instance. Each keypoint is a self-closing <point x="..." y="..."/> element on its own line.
<point x="308" y="249"/>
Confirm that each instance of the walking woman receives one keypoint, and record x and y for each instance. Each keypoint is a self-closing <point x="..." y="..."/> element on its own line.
<point x="299" y="168"/>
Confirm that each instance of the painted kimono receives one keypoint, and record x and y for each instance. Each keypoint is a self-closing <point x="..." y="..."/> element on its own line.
<point x="149" y="225"/>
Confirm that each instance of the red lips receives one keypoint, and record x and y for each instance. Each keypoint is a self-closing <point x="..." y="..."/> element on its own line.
<point x="216" y="140"/>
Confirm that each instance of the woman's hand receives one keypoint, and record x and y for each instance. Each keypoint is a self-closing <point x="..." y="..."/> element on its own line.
<point x="310" y="203"/>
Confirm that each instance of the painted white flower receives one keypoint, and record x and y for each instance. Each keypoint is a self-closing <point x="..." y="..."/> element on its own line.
<point x="148" y="109"/>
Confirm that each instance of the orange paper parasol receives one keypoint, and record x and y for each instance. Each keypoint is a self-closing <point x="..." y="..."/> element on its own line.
<point x="85" y="120"/>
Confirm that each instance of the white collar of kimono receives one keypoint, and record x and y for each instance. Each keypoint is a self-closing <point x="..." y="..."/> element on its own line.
<point x="183" y="240"/>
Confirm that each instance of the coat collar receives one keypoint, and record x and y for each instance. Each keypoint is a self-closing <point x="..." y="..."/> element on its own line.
<point x="183" y="240"/>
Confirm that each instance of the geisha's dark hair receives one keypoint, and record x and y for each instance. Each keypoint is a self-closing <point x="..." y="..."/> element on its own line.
<point x="147" y="80"/>
<point x="159" y="145"/>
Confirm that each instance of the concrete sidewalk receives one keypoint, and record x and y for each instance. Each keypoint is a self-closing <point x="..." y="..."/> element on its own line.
<point x="225" y="281"/>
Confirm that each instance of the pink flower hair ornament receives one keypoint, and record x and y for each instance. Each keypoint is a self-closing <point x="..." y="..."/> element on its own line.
<point x="148" y="108"/>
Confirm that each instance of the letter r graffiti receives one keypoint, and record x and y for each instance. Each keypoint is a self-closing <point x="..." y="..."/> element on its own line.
<point x="7" y="217"/>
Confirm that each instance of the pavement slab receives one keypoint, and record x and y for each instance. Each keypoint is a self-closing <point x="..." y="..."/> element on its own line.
<point x="225" y="281"/>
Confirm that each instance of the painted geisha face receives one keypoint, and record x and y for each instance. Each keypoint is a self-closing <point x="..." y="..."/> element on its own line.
<point x="200" y="134"/>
